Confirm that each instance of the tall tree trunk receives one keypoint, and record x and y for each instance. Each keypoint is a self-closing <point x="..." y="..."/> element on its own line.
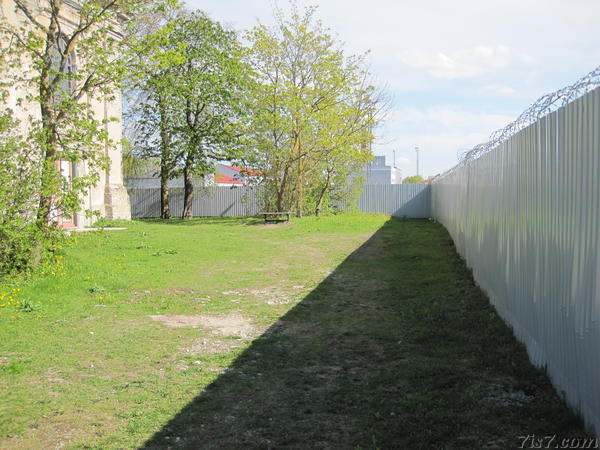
<point x="299" y="187"/>
<point x="279" y="205"/>
<point x="48" y="178"/>
<point x="165" y="161"/>
<point x="48" y="172"/>
<point x="322" y="195"/>
<point x="319" y="205"/>
<point x="188" y="192"/>
<point x="48" y="169"/>
<point x="165" y="212"/>
<point x="297" y="152"/>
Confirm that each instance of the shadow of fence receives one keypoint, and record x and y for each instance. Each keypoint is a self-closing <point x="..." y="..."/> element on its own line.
<point x="396" y="348"/>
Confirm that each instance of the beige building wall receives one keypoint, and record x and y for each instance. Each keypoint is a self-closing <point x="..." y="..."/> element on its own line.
<point x="108" y="197"/>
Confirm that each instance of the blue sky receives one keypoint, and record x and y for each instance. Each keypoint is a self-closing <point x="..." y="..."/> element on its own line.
<point x="457" y="70"/>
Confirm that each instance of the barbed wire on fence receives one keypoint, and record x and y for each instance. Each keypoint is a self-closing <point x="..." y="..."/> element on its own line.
<point x="540" y="108"/>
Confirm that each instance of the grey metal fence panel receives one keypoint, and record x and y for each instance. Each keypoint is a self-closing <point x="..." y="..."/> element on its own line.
<point x="400" y="200"/>
<point x="213" y="201"/>
<point x="526" y="217"/>
<point x="144" y="202"/>
<point x="219" y="201"/>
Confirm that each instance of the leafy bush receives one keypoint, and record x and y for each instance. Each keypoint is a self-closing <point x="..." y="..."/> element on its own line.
<point x="23" y="243"/>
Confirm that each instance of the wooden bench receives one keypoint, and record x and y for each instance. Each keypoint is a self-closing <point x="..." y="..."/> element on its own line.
<point x="275" y="217"/>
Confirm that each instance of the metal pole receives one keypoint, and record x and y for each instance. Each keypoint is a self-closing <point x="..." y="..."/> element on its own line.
<point x="417" y="150"/>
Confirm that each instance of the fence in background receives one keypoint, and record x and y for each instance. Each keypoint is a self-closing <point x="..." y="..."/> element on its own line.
<point x="211" y="201"/>
<point x="526" y="217"/>
<point x="401" y="200"/>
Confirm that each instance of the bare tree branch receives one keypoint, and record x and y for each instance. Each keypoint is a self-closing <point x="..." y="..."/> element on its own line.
<point x="20" y="5"/>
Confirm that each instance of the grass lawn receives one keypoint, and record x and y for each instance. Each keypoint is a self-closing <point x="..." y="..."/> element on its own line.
<point x="340" y="332"/>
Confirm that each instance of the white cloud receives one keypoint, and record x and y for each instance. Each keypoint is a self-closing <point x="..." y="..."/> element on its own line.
<point x="448" y="117"/>
<point x="474" y="64"/>
<point x="463" y="63"/>
<point x="498" y="89"/>
<point x="525" y="58"/>
<point x="441" y="132"/>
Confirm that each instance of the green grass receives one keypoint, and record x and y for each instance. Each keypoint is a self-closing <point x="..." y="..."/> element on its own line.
<point x="346" y="331"/>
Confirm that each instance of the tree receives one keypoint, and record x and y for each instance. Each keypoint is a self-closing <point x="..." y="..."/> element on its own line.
<point x="210" y="95"/>
<point x="344" y="132"/>
<point x="150" y="118"/>
<point x="313" y="110"/>
<point x="415" y="179"/>
<point x="192" y="100"/>
<point x="18" y="233"/>
<point x="76" y="58"/>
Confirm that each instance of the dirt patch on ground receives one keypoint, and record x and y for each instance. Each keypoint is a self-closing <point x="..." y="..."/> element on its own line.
<point x="273" y="225"/>
<point x="274" y="295"/>
<point x="222" y="325"/>
<point x="60" y="431"/>
<point x="271" y="295"/>
<point x="180" y="291"/>
<point x="210" y="346"/>
<point x="140" y="293"/>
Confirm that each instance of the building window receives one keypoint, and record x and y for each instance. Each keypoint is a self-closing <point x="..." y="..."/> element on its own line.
<point x="61" y="66"/>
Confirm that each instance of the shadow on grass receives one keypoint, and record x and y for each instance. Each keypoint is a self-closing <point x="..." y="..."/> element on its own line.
<point x="397" y="348"/>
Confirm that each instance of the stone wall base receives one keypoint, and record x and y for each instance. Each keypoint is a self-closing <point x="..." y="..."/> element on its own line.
<point x="116" y="202"/>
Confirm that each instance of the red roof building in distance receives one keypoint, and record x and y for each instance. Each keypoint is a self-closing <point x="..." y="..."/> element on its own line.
<point x="224" y="180"/>
<point x="249" y="172"/>
<point x="226" y="175"/>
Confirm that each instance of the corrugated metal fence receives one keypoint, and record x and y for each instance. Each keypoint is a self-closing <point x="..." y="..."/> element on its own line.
<point x="401" y="200"/>
<point x="526" y="218"/>
<point x="213" y="201"/>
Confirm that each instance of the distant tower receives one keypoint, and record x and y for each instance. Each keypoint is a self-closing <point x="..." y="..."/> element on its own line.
<point x="417" y="151"/>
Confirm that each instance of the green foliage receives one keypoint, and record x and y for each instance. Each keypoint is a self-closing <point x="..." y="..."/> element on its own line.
<point x="415" y="179"/>
<point x="20" y="236"/>
<point x="133" y="165"/>
<point x="313" y="112"/>
<point x="97" y="290"/>
<point x="70" y="68"/>
<point x="60" y="69"/>
<point x="191" y="96"/>
<point x="27" y="305"/>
